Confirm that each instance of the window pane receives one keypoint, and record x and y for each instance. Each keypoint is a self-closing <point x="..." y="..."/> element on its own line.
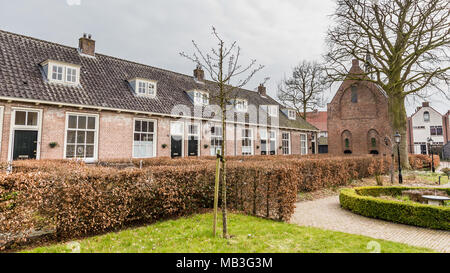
<point x="151" y="127"/>
<point x="20" y="117"/>
<point x="91" y="123"/>
<point x="137" y="126"/>
<point x="137" y="137"/>
<point x="81" y="122"/>
<point x="144" y="126"/>
<point x="90" y="151"/>
<point x="90" y="136"/>
<point x="32" y="118"/>
<point x="73" y="122"/>
<point x="71" y="135"/>
<point x="80" y="151"/>
<point x="70" y="150"/>
<point x="81" y="137"/>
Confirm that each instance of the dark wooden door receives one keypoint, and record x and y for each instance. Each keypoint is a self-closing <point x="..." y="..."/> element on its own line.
<point x="193" y="146"/>
<point x="25" y="144"/>
<point x="176" y="146"/>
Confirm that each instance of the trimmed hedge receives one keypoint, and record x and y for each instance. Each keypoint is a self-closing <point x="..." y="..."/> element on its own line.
<point x="364" y="201"/>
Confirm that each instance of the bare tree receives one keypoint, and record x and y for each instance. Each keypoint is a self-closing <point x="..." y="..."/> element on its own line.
<point x="404" y="45"/>
<point x="228" y="75"/>
<point x="303" y="90"/>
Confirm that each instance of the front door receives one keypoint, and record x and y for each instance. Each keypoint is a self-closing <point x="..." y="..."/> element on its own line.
<point x="193" y="146"/>
<point x="176" y="145"/>
<point x="25" y="144"/>
<point x="423" y="149"/>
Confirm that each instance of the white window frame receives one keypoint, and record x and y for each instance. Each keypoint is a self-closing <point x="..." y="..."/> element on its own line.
<point x="198" y="135"/>
<point x="241" y="105"/>
<point x="305" y="142"/>
<point x="182" y="136"/>
<point x="155" y="136"/>
<point x="149" y="91"/>
<point x="14" y="127"/>
<point x="283" y="141"/>
<point x="266" y="138"/>
<point x="292" y="114"/>
<point x="65" y="66"/>
<point x="272" y="110"/>
<point x="251" y="138"/>
<point x="270" y="139"/>
<point x="199" y="97"/>
<point x="220" y="137"/>
<point x="96" y="137"/>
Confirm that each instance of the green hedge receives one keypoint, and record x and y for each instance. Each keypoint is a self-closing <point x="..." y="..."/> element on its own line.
<point x="364" y="201"/>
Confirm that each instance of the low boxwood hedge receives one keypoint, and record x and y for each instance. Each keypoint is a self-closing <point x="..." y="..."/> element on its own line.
<point x="364" y="201"/>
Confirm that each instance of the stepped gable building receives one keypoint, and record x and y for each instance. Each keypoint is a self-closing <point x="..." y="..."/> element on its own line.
<point x="60" y="102"/>
<point x="358" y="121"/>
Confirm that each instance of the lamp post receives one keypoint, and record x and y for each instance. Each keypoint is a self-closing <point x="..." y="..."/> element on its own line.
<point x="430" y="144"/>
<point x="398" y="138"/>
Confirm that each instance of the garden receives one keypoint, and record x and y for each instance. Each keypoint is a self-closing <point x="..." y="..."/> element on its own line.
<point x="68" y="200"/>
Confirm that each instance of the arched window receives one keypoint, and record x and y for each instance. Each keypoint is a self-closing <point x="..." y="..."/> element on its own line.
<point x="346" y="140"/>
<point x="373" y="142"/>
<point x="426" y="116"/>
<point x="347" y="143"/>
<point x="354" y="94"/>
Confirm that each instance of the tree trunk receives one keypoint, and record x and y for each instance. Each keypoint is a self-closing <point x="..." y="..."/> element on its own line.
<point x="398" y="120"/>
<point x="224" y="177"/>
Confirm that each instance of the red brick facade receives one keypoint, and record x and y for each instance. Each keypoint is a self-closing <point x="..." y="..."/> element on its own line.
<point x="116" y="130"/>
<point x="358" y="118"/>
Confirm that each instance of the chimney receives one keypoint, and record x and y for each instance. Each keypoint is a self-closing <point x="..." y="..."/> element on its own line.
<point x="262" y="90"/>
<point x="199" y="74"/>
<point x="355" y="63"/>
<point x="87" y="45"/>
<point x="425" y="104"/>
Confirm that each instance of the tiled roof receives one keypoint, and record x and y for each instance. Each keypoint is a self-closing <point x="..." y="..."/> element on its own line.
<point x="318" y="119"/>
<point x="103" y="80"/>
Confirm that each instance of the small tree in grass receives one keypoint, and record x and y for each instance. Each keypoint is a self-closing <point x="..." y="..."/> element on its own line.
<point x="227" y="74"/>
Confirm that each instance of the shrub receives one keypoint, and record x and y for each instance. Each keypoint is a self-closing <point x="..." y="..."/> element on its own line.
<point x="364" y="201"/>
<point x="419" y="161"/>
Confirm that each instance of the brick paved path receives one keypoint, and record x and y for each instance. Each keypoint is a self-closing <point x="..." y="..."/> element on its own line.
<point x="327" y="213"/>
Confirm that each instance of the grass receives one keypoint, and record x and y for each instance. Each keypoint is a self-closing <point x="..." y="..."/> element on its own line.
<point x="434" y="177"/>
<point x="251" y="235"/>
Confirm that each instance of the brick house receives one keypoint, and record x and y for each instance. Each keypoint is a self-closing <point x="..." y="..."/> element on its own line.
<point x="60" y="102"/>
<point x="319" y="120"/>
<point x="358" y="121"/>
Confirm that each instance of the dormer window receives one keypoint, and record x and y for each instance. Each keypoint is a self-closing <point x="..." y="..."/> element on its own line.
<point x="60" y="72"/>
<point x="241" y="105"/>
<point x="292" y="114"/>
<point x="272" y="110"/>
<point x="144" y="87"/>
<point x="199" y="97"/>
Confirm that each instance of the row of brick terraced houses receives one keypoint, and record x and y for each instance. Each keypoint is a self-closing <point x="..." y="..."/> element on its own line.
<point x="60" y="102"/>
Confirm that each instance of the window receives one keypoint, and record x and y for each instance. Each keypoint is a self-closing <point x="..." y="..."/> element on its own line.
<point x="216" y="139"/>
<point x="145" y="87"/>
<point x="26" y="118"/>
<point x="436" y="130"/>
<point x="57" y="73"/>
<point x="247" y="141"/>
<point x="292" y="114"/>
<point x="303" y="144"/>
<point x="373" y="142"/>
<point x="354" y="94"/>
<point x="71" y="75"/>
<point x="144" y="143"/>
<point x="347" y="143"/>
<point x="263" y="138"/>
<point x="200" y="98"/>
<point x="241" y="105"/>
<point x="273" y="142"/>
<point x="81" y="136"/>
<point x="272" y="110"/>
<point x="286" y="143"/>
<point x="426" y="116"/>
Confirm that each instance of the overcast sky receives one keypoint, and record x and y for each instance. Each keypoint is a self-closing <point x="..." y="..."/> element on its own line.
<point x="278" y="34"/>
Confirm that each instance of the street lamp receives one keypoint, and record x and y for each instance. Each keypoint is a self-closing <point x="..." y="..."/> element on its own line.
<point x="398" y="138"/>
<point x="430" y="144"/>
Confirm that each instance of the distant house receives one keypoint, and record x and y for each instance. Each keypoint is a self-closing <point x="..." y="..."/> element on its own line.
<point x="358" y="121"/>
<point x="61" y="102"/>
<point x="319" y="120"/>
<point x="424" y="124"/>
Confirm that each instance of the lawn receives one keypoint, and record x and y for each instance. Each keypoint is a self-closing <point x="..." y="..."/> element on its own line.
<point x="251" y="235"/>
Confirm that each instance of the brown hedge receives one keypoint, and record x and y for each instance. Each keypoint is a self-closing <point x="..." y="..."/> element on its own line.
<point x="77" y="199"/>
